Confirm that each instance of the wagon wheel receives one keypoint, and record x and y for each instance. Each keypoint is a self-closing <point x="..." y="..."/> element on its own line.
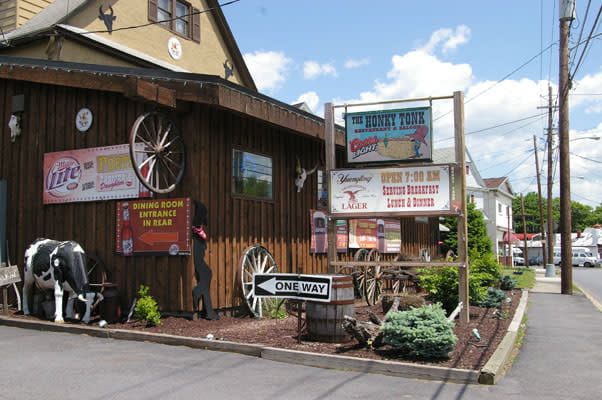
<point x="157" y="152"/>
<point x="373" y="279"/>
<point x="256" y="259"/>
<point x="97" y="272"/>
<point x="359" y="276"/>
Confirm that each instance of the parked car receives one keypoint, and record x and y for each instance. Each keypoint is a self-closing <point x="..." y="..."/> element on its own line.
<point x="581" y="257"/>
<point x="536" y="260"/>
<point x="518" y="260"/>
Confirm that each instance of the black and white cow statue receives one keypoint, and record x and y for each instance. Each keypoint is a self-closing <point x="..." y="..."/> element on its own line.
<point x="60" y="266"/>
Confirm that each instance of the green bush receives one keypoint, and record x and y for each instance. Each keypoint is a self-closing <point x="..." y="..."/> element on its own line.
<point x="486" y="268"/>
<point x="274" y="309"/>
<point x="146" y="307"/>
<point x="494" y="298"/>
<point x="507" y="282"/>
<point x="442" y="286"/>
<point x="423" y="333"/>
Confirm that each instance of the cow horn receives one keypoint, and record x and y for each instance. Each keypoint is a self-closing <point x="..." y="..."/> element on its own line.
<point x="81" y="297"/>
<point x="312" y="170"/>
<point x="111" y="9"/>
<point x="299" y="169"/>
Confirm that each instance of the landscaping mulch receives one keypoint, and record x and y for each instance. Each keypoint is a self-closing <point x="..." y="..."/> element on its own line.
<point x="468" y="353"/>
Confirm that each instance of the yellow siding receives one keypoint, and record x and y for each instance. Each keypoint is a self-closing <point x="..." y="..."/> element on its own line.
<point x="206" y="57"/>
<point x="29" y="8"/>
<point x="8" y="15"/>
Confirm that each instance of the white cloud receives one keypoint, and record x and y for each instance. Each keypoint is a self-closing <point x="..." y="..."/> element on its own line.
<point x="448" y="38"/>
<point x="310" y="98"/>
<point x="507" y="149"/>
<point x="313" y="70"/>
<point x="356" y="63"/>
<point x="268" y="69"/>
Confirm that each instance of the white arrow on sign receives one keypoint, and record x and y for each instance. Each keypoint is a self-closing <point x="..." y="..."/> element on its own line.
<point x="273" y="285"/>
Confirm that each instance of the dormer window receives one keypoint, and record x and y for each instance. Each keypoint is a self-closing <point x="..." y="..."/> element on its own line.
<point x="177" y="16"/>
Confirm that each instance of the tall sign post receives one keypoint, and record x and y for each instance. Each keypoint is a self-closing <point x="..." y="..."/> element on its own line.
<point x="463" y="274"/>
<point x="330" y="149"/>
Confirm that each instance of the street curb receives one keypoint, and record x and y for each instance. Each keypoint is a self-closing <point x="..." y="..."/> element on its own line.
<point x="492" y="372"/>
<point x="590" y="297"/>
<point x="326" y="361"/>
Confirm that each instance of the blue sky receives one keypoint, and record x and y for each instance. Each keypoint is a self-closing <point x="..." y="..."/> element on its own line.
<point x="352" y="51"/>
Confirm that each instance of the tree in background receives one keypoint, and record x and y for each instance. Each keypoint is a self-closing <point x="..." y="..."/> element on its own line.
<point x="478" y="241"/>
<point x="582" y="216"/>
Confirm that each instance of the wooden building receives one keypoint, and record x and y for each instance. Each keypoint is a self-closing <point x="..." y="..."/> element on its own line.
<point x="215" y="118"/>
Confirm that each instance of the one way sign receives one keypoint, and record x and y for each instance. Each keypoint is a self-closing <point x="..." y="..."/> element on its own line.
<point x="293" y="286"/>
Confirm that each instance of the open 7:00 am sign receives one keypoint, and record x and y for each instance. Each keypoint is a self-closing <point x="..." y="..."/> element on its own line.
<point x="401" y="190"/>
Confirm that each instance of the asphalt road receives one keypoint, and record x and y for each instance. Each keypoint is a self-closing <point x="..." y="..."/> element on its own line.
<point x="590" y="279"/>
<point x="560" y="359"/>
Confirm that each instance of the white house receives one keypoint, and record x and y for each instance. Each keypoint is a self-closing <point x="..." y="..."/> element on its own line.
<point x="498" y="206"/>
<point x="493" y="197"/>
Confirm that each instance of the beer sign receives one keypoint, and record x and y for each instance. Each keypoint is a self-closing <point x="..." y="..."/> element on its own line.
<point x="153" y="227"/>
<point x="100" y="173"/>
<point x="389" y="135"/>
<point x="420" y="190"/>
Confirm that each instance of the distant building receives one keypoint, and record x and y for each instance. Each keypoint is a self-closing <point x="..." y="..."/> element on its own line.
<point x="498" y="206"/>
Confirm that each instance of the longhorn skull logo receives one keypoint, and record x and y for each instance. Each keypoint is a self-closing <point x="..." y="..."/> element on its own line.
<point x="302" y="175"/>
<point x="107" y="18"/>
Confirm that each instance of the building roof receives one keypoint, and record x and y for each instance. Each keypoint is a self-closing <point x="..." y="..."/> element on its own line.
<point x="176" y="86"/>
<point x="53" y="16"/>
<point x="494" y="183"/>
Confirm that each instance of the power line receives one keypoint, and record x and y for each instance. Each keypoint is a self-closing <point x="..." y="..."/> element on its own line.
<point x="198" y="12"/>
<point x="500" y="81"/>
<point x="581" y="31"/>
<point x="585" y="158"/>
<point x="595" y="24"/>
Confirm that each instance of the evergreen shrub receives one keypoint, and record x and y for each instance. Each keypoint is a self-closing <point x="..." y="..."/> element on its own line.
<point x="494" y="298"/>
<point x="423" y="333"/>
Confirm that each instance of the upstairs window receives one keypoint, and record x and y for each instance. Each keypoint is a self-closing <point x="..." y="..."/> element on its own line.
<point x="177" y="16"/>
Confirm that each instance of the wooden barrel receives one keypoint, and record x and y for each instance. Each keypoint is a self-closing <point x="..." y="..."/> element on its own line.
<point x="325" y="320"/>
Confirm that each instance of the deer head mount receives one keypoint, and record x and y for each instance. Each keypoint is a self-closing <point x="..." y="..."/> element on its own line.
<point x="302" y="175"/>
<point x="107" y="18"/>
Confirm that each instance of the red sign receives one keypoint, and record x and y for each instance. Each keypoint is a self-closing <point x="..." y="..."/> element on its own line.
<point x="153" y="227"/>
<point x="319" y="233"/>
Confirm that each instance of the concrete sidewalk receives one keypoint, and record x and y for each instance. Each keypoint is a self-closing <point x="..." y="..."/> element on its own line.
<point x="561" y="356"/>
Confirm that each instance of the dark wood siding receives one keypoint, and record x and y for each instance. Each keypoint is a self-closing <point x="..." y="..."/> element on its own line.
<point x="281" y="225"/>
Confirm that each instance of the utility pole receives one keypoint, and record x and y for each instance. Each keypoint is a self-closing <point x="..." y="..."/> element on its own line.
<point x="522" y="210"/>
<point x="566" y="13"/>
<point x="550" y="234"/>
<point x="539" y="200"/>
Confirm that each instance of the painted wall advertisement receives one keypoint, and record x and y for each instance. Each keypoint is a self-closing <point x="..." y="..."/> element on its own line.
<point x="389" y="135"/>
<point x="381" y="234"/>
<point x="319" y="233"/>
<point x="101" y="173"/>
<point x="153" y="227"/>
<point x="403" y="190"/>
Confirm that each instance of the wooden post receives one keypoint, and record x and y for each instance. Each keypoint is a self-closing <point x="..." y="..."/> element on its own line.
<point x="461" y="198"/>
<point x="5" y="300"/>
<point x="522" y="208"/>
<point x="330" y="150"/>
<point x="550" y="230"/>
<point x="539" y="199"/>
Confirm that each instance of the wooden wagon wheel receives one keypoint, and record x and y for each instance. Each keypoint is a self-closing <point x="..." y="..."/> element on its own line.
<point x="373" y="279"/>
<point x="359" y="276"/>
<point x="256" y="259"/>
<point x="157" y="152"/>
<point x="97" y="273"/>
